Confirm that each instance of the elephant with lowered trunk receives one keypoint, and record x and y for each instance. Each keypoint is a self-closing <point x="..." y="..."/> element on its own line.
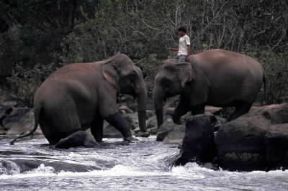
<point x="80" y="96"/>
<point x="214" y="77"/>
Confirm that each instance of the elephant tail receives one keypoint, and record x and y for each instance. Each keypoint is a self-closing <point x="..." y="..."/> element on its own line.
<point x="36" y="119"/>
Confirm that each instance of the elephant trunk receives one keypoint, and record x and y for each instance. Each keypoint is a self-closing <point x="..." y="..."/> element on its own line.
<point x="141" y="102"/>
<point x="158" y="98"/>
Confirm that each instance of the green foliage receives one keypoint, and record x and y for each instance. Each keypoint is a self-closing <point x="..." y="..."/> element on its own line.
<point x="37" y="33"/>
<point x="276" y="72"/>
<point x="23" y="83"/>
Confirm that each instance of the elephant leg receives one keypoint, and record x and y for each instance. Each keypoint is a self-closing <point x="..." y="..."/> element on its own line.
<point x="77" y="139"/>
<point x="58" y="123"/>
<point x="97" y="128"/>
<point x="180" y="110"/>
<point x="109" y="111"/>
<point x="241" y="109"/>
<point x="199" y="109"/>
<point x="121" y="125"/>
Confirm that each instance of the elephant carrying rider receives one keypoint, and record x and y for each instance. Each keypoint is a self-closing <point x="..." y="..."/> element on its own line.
<point x="184" y="47"/>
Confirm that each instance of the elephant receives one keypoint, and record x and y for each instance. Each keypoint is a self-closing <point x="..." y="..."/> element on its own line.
<point x="214" y="77"/>
<point x="80" y="96"/>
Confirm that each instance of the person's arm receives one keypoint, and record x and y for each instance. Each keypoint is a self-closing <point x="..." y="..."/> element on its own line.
<point x="188" y="45"/>
<point x="173" y="49"/>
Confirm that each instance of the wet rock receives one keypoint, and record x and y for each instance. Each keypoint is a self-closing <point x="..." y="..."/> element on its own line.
<point x="128" y="101"/>
<point x="14" y="166"/>
<point x="174" y="133"/>
<point x="198" y="143"/>
<point x="4" y="112"/>
<point x="19" y="120"/>
<point x="170" y="133"/>
<point x="151" y="123"/>
<point x="149" y="113"/>
<point x="111" y="132"/>
<point x="212" y="109"/>
<point x="125" y="109"/>
<point x="255" y="141"/>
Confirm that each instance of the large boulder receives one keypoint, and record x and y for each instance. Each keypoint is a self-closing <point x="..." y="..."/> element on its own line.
<point x="171" y="133"/>
<point x="17" y="120"/>
<point x="255" y="141"/>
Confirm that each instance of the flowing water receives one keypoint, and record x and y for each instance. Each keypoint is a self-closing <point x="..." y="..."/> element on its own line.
<point x="145" y="165"/>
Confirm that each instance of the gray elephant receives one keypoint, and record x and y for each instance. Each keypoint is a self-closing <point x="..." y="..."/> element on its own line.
<point x="214" y="77"/>
<point x="80" y="96"/>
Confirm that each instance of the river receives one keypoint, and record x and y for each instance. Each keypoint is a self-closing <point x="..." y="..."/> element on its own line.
<point x="144" y="165"/>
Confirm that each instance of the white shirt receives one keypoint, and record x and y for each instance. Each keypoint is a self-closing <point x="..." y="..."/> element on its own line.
<point x="184" y="41"/>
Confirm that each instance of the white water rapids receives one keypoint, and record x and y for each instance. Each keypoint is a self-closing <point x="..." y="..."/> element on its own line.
<point x="144" y="165"/>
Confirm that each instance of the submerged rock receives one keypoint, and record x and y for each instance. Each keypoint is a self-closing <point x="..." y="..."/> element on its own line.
<point x="16" y="166"/>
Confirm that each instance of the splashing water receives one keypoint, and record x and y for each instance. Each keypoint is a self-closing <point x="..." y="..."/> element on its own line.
<point x="145" y="165"/>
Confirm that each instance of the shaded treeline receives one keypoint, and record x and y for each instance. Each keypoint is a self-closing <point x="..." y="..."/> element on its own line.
<point x="39" y="35"/>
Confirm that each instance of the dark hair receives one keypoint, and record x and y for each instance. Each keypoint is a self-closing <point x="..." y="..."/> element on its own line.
<point x="182" y="29"/>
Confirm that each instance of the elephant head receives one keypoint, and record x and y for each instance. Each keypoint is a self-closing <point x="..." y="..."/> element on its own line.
<point x="173" y="79"/>
<point x="128" y="79"/>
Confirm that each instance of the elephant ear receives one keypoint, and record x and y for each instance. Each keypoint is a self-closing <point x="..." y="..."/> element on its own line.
<point x="109" y="71"/>
<point x="117" y="66"/>
<point x="185" y="73"/>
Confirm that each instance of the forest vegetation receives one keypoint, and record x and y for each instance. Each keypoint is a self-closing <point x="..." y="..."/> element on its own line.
<point x="38" y="36"/>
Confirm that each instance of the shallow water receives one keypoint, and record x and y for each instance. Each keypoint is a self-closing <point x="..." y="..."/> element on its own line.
<point x="30" y="165"/>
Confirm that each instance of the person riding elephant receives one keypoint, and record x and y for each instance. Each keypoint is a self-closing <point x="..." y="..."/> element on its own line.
<point x="80" y="96"/>
<point x="214" y="77"/>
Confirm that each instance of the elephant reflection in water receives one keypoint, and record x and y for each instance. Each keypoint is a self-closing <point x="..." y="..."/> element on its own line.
<point x="80" y="96"/>
<point x="213" y="77"/>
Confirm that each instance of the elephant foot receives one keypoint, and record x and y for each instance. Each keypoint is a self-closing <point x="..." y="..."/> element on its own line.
<point x="77" y="139"/>
<point x="130" y="140"/>
<point x="142" y="134"/>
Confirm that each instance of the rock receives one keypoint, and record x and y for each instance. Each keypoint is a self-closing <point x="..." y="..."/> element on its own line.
<point x="151" y="122"/>
<point x="125" y="109"/>
<point x="198" y="143"/>
<point x="21" y="165"/>
<point x="111" y="132"/>
<point x="212" y="109"/>
<point x="149" y="113"/>
<point x="4" y="112"/>
<point x="128" y="101"/>
<point x="170" y="133"/>
<point x="255" y="141"/>
<point x="19" y="120"/>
